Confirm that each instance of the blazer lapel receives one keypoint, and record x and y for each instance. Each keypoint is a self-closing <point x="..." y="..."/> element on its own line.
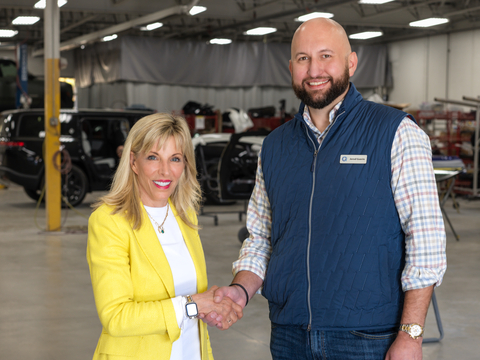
<point x="148" y="241"/>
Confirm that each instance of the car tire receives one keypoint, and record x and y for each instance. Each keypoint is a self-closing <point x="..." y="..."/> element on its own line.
<point x="74" y="190"/>
<point x="74" y="186"/>
<point x="32" y="194"/>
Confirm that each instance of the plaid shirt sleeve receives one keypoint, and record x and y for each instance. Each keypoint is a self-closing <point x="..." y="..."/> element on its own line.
<point x="416" y="199"/>
<point x="256" y="249"/>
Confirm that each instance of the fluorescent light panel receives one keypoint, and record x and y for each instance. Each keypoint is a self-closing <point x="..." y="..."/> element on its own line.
<point x="43" y="3"/>
<point x="220" y="41"/>
<point x="366" y="35"/>
<point x="110" y="37"/>
<point x="8" y="33"/>
<point x="25" y="20"/>
<point x="429" y="22"/>
<point x="314" y="15"/>
<point x="197" y="10"/>
<point x="151" y="27"/>
<point x="374" y="2"/>
<point x="260" y="31"/>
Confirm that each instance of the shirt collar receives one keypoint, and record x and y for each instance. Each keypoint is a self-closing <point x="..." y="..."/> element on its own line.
<point x="311" y="125"/>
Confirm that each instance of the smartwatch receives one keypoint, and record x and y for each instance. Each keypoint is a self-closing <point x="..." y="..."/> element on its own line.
<point x="191" y="308"/>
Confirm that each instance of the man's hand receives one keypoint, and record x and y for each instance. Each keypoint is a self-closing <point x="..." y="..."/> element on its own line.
<point x="405" y="348"/>
<point x="414" y="311"/>
<point x="250" y="282"/>
<point x="233" y="292"/>
<point x="225" y="311"/>
<point x="230" y="292"/>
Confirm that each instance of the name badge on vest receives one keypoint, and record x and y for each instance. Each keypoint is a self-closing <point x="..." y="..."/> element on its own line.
<point x="353" y="159"/>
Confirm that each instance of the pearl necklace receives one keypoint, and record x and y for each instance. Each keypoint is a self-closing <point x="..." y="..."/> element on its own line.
<point x="160" y="227"/>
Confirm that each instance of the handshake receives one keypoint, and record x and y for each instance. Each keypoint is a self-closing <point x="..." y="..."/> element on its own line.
<point x="221" y="307"/>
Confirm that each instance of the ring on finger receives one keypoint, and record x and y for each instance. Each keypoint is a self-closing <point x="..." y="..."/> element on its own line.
<point x="229" y="321"/>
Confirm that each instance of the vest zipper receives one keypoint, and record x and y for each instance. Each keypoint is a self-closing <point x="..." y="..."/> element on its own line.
<point x="309" y="240"/>
<point x="312" y="169"/>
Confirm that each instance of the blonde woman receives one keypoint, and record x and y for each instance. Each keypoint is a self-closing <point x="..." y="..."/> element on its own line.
<point x="146" y="260"/>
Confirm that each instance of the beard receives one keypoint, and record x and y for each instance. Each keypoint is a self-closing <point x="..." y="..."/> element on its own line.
<point x="317" y="100"/>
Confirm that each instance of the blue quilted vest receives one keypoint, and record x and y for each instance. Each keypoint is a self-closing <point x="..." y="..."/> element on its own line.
<point x="338" y="246"/>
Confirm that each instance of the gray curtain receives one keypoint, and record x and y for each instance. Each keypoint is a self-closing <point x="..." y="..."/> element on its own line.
<point x="373" y="67"/>
<point x="190" y="63"/>
<point x="98" y="63"/>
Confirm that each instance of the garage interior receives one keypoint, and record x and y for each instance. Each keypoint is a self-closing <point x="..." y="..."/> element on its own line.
<point x="48" y="307"/>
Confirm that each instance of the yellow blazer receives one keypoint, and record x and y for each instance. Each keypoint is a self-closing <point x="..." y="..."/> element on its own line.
<point x="133" y="286"/>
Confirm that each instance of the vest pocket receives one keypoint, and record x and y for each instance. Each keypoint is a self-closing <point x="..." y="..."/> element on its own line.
<point x="371" y="288"/>
<point x="384" y="275"/>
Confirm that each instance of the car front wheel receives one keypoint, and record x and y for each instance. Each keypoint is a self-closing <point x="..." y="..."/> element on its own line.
<point x="32" y="194"/>
<point x="74" y="186"/>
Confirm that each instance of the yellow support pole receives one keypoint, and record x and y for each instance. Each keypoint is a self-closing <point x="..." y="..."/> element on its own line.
<point x="52" y="114"/>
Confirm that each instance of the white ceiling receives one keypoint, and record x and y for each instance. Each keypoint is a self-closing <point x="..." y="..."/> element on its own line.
<point x="230" y="18"/>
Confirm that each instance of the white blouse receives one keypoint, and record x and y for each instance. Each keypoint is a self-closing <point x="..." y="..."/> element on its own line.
<point x="187" y="347"/>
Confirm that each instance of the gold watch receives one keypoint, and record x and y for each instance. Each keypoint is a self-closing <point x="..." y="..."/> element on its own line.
<point x="414" y="330"/>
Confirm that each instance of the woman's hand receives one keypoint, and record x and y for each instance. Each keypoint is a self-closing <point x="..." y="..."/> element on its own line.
<point x="226" y="312"/>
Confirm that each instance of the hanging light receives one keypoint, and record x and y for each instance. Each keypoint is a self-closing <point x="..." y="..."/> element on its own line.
<point x="110" y="37"/>
<point x="366" y="35"/>
<point x="260" y="31"/>
<point x="374" y="2"/>
<point x="220" y="41"/>
<point x="25" y="20"/>
<point x="429" y="22"/>
<point x="8" y="33"/>
<point x="314" y="15"/>
<point x="43" y="3"/>
<point x="152" y="26"/>
<point x="197" y="10"/>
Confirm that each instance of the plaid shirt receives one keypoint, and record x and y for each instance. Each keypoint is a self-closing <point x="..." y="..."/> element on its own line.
<point x="415" y="193"/>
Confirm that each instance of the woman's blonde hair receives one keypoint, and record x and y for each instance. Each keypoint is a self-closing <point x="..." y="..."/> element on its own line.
<point x="124" y="194"/>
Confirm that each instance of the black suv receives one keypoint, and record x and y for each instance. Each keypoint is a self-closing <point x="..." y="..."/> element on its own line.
<point x="91" y="138"/>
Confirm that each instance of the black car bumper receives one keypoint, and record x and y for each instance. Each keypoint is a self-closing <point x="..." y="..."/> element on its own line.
<point x="27" y="181"/>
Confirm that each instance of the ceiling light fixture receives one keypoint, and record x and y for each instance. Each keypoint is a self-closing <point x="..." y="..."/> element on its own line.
<point x="197" y="10"/>
<point x="43" y="3"/>
<point x="8" y="33"/>
<point x="25" y="20"/>
<point x="260" y="31"/>
<point x="365" y="35"/>
<point x="314" y="15"/>
<point x="151" y="27"/>
<point x="429" y="22"/>
<point x="220" y="41"/>
<point x="110" y="37"/>
<point x="374" y="2"/>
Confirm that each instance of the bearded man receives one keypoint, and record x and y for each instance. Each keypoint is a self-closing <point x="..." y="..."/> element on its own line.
<point x="346" y="234"/>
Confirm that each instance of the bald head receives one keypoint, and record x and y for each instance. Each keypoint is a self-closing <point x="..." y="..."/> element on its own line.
<point x="319" y="30"/>
<point x="322" y="63"/>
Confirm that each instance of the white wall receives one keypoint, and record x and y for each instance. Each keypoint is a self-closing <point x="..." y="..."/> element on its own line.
<point x="444" y="66"/>
<point x="464" y="65"/>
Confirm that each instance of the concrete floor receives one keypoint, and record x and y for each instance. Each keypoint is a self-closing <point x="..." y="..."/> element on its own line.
<point x="47" y="310"/>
